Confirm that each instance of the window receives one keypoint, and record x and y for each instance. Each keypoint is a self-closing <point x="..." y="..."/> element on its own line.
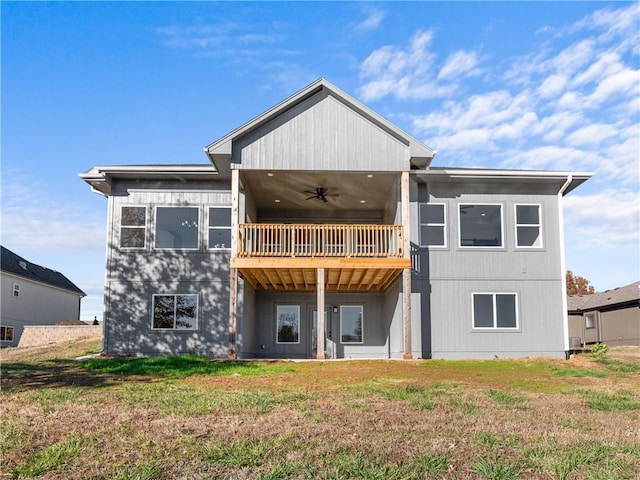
<point x="220" y="228"/>
<point x="288" y="324"/>
<point x="528" y="226"/>
<point x="480" y="225"/>
<point x="495" y="310"/>
<point x="590" y="320"/>
<point x="133" y="222"/>
<point x="6" y="334"/>
<point x="16" y="289"/>
<point x="175" y="312"/>
<point x="432" y="225"/>
<point x="177" y="227"/>
<point x="351" y="324"/>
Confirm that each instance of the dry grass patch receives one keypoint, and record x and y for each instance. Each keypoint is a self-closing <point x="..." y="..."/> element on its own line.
<point x="500" y="419"/>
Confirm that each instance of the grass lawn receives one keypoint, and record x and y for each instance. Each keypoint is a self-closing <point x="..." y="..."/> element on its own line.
<point x="191" y="418"/>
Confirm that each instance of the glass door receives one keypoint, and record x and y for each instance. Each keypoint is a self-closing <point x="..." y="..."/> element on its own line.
<point x="328" y="343"/>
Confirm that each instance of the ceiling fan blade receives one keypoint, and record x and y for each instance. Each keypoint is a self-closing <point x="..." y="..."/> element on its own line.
<point x="324" y="199"/>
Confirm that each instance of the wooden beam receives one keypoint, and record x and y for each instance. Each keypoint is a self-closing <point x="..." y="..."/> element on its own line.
<point x="320" y="314"/>
<point x="320" y="262"/>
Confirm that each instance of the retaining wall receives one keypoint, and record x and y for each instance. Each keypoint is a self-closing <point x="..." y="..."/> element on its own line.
<point x="40" y="334"/>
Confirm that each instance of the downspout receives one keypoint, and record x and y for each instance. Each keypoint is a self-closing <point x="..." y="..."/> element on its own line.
<point x="563" y="266"/>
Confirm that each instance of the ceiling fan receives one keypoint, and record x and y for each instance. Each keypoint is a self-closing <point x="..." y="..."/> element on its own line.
<point x="320" y="193"/>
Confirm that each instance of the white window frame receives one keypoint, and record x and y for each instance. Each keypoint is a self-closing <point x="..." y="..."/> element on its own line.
<point x="197" y="226"/>
<point x="443" y="225"/>
<point x="592" y="316"/>
<point x="495" y="312"/>
<point x="16" y="290"/>
<point x="175" y="329"/>
<point x="146" y="225"/>
<point x="528" y="225"/>
<point x="297" y="307"/>
<point x="476" y="247"/>
<point x="3" y="333"/>
<point x="209" y="227"/>
<point x="342" y="307"/>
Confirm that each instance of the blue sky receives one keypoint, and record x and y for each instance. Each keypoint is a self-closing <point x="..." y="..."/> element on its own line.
<point x="499" y="85"/>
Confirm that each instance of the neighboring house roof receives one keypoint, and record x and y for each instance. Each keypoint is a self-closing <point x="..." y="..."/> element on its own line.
<point x="421" y="155"/>
<point x="607" y="300"/>
<point x="16" y="265"/>
<point x="65" y="323"/>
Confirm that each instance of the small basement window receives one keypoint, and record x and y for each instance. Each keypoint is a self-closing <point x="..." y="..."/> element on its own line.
<point x="6" y="334"/>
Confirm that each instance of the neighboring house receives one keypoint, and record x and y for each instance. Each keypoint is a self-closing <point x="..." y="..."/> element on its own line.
<point x="321" y="205"/>
<point x="33" y="295"/>
<point x="611" y="317"/>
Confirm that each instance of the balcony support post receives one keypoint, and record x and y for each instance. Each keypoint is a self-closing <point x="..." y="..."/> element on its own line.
<point x="233" y="277"/>
<point x="320" y="314"/>
<point x="406" y="273"/>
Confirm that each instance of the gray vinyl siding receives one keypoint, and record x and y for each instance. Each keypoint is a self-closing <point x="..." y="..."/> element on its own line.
<point x="135" y="275"/>
<point x="449" y="276"/>
<point x="376" y="325"/>
<point x="38" y="304"/>
<point x="321" y="133"/>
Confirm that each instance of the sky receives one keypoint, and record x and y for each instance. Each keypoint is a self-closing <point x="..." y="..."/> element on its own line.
<point x="522" y="85"/>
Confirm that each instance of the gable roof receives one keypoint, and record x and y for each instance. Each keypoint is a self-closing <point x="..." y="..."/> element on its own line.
<point x="16" y="265"/>
<point x="219" y="152"/>
<point x="605" y="300"/>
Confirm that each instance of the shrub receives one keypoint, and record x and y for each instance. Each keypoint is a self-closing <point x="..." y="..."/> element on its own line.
<point x="599" y="350"/>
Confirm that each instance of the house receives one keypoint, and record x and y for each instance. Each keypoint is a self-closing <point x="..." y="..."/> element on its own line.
<point x="321" y="205"/>
<point x="33" y="295"/>
<point x="611" y="317"/>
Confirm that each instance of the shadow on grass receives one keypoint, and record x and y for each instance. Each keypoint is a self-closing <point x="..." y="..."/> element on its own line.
<point x="108" y="371"/>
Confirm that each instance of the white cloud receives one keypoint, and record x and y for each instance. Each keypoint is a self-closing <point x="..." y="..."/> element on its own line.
<point x="608" y="218"/>
<point x="552" y="86"/>
<point x="403" y="73"/>
<point x="460" y="63"/>
<point x="372" y="20"/>
<point x="35" y="223"/>
<point x="591" y="135"/>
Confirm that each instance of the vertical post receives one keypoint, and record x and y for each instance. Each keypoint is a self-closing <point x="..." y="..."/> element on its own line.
<point x="320" y="315"/>
<point x="233" y="278"/>
<point x="406" y="273"/>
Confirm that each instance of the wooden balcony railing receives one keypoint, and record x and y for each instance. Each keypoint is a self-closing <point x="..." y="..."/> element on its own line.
<point x="310" y="240"/>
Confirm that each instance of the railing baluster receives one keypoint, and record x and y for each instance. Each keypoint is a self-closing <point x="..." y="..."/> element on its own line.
<point x="311" y="240"/>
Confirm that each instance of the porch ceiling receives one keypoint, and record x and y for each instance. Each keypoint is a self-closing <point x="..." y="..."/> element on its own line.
<point x="285" y="190"/>
<point x="300" y="274"/>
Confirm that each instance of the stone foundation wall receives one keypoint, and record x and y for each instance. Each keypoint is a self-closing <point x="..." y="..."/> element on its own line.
<point x="41" y="334"/>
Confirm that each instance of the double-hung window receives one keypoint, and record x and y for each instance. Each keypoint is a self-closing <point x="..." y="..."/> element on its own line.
<point x="175" y="312"/>
<point x="495" y="310"/>
<point x="351" y="324"/>
<point x="133" y="223"/>
<point x="288" y="324"/>
<point x="16" y="289"/>
<point x="590" y="320"/>
<point x="219" y="227"/>
<point x="480" y="225"/>
<point x="528" y="226"/>
<point x="433" y="231"/>
<point x="6" y="334"/>
<point x="177" y="227"/>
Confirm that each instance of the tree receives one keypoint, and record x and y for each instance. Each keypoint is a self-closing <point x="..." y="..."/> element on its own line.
<point x="577" y="285"/>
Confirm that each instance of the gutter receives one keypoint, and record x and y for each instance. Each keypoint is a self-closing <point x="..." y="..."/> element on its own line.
<point x="563" y="266"/>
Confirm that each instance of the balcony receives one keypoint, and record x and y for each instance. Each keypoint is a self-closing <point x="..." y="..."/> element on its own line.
<point x="287" y="256"/>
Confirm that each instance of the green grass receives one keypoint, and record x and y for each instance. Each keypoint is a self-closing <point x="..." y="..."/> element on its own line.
<point x="578" y="372"/>
<point x="622" y="400"/>
<point x="181" y="367"/>
<point x="509" y="399"/>
<point x="496" y="469"/>
<point x="56" y="458"/>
